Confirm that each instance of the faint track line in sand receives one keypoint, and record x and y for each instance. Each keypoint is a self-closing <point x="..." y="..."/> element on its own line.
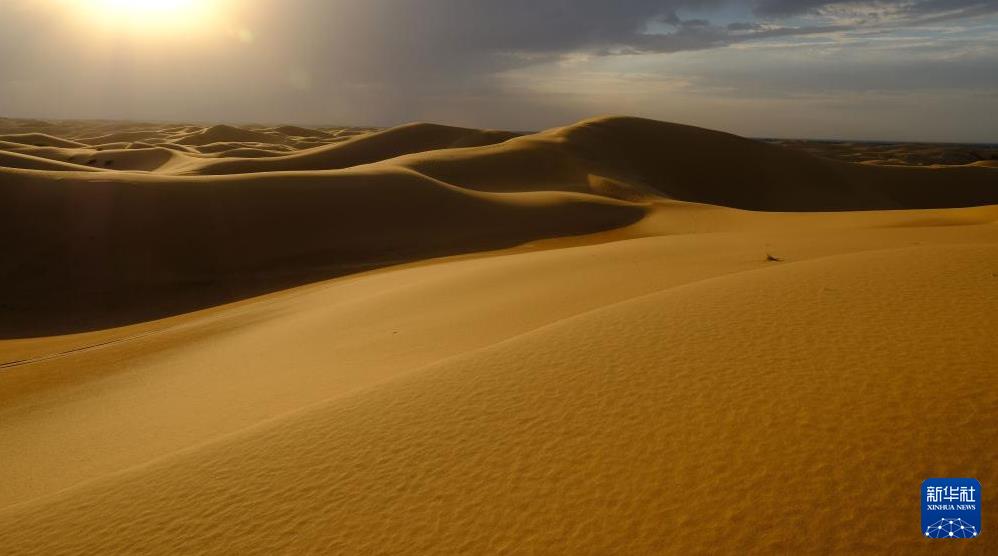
<point x="83" y="349"/>
<point x="121" y="340"/>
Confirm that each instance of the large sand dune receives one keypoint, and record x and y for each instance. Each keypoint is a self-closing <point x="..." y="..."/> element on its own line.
<point x="435" y="339"/>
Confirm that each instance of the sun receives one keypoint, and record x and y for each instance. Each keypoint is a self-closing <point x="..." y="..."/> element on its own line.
<point x="150" y="16"/>
<point x="149" y="7"/>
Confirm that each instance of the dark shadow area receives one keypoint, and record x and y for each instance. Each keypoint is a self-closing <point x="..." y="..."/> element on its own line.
<point x="89" y="255"/>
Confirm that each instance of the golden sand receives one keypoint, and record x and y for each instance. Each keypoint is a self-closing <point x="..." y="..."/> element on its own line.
<point x="622" y="336"/>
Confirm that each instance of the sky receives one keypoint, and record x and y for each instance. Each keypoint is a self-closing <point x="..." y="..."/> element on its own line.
<point x="917" y="70"/>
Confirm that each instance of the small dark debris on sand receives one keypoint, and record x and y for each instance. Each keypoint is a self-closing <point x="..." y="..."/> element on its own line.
<point x="770" y="258"/>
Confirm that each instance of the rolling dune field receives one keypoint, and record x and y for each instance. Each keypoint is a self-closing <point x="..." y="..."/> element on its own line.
<point x="619" y="336"/>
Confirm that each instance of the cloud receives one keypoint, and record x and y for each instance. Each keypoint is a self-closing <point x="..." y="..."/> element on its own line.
<point x="527" y="31"/>
<point x="703" y="35"/>
<point x="388" y="61"/>
<point x="476" y="38"/>
<point x="900" y="11"/>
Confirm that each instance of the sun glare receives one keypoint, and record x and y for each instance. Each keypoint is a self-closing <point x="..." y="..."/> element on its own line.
<point x="150" y="16"/>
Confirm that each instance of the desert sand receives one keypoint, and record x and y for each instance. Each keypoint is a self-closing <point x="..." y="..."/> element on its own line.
<point x="903" y="154"/>
<point x="619" y="336"/>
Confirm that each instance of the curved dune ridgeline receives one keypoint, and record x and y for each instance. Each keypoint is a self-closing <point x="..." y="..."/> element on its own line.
<point x="698" y="165"/>
<point x="105" y="235"/>
<point x="121" y="240"/>
<point x="363" y="149"/>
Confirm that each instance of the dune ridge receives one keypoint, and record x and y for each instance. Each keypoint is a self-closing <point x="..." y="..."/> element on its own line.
<point x="362" y="149"/>
<point x="253" y="225"/>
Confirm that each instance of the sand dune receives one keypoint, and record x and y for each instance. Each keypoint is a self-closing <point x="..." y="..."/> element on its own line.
<point x="39" y="140"/>
<point x="225" y="147"/>
<point x="435" y="339"/>
<point x="123" y="137"/>
<point x="128" y="157"/>
<point x="679" y="162"/>
<point x="225" y="133"/>
<point x="558" y="440"/>
<point x="699" y="165"/>
<point x="365" y="149"/>
<point x="128" y="243"/>
<point x="126" y="257"/>
<point x="14" y="159"/>
<point x="298" y="131"/>
<point x="918" y="154"/>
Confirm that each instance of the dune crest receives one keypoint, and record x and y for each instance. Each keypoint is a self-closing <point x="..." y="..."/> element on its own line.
<point x="269" y="220"/>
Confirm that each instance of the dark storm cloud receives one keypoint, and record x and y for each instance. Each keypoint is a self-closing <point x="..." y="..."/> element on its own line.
<point x="785" y="8"/>
<point x="914" y="11"/>
<point x="484" y="36"/>
<point x="433" y="43"/>
<point x="463" y="28"/>
<point x="403" y="57"/>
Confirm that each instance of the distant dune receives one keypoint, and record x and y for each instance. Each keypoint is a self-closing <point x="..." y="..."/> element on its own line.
<point x="228" y="134"/>
<point x="363" y="149"/>
<point x="619" y="336"/>
<point x="898" y="154"/>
